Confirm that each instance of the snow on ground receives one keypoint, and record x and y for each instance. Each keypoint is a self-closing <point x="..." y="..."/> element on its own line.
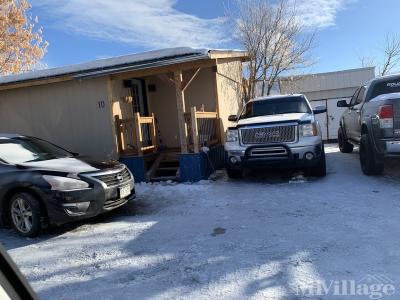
<point x="261" y="237"/>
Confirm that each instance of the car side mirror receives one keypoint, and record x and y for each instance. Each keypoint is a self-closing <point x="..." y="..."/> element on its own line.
<point x="342" y="103"/>
<point x="233" y="118"/>
<point x="319" y="110"/>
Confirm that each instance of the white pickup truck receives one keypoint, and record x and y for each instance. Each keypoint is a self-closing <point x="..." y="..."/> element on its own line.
<point x="276" y="132"/>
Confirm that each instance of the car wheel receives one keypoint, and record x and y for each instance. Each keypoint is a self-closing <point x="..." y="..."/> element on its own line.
<point x="25" y="213"/>
<point x="320" y="169"/>
<point x="344" y="145"/>
<point x="371" y="163"/>
<point x="234" y="173"/>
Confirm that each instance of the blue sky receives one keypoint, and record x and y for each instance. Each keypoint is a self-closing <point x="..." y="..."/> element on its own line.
<point x="81" y="30"/>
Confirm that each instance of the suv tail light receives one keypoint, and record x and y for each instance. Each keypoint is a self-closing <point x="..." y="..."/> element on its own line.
<point x="386" y="114"/>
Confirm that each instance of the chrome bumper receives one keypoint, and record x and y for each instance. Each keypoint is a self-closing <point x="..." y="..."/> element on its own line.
<point x="393" y="147"/>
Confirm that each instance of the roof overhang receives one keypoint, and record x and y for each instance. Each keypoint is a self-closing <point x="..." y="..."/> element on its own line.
<point x="146" y="62"/>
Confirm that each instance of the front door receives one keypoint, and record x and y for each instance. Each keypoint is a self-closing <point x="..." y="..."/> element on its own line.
<point x="138" y="93"/>
<point x="347" y="117"/>
<point x="355" y="119"/>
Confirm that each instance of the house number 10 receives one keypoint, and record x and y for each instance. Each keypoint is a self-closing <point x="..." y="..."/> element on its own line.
<point x="102" y="104"/>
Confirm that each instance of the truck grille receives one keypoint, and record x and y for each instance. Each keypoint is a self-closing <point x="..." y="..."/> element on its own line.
<point x="270" y="134"/>
<point x="113" y="179"/>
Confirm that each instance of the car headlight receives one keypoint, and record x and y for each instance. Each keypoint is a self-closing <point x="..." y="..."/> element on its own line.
<point x="232" y="135"/>
<point x="65" y="184"/>
<point x="309" y="129"/>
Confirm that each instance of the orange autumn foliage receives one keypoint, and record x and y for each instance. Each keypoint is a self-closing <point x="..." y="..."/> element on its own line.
<point x="21" y="43"/>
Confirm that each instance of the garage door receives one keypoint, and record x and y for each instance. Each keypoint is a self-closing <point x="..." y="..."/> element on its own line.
<point x="322" y="118"/>
<point x="334" y="115"/>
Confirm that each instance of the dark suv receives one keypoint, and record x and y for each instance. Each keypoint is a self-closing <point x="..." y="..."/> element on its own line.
<point x="372" y="121"/>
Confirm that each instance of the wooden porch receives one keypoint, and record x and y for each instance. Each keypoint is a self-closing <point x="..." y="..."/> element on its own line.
<point x="138" y="136"/>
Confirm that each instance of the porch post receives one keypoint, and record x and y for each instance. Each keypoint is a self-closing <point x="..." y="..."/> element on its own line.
<point x="180" y="101"/>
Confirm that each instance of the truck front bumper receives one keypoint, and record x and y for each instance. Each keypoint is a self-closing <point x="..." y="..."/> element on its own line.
<point x="296" y="156"/>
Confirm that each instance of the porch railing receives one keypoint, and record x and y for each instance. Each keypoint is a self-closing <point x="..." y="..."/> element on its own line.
<point x="136" y="135"/>
<point x="202" y="128"/>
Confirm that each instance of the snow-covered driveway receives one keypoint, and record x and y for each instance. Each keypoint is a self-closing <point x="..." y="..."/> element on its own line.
<point x="261" y="237"/>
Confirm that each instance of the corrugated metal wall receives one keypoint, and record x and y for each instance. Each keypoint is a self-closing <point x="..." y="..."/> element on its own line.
<point x="326" y="89"/>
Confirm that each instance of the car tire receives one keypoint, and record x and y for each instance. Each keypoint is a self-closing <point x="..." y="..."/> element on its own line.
<point x="25" y="213"/>
<point x="371" y="163"/>
<point x="344" y="145"/>
<point x="319" y="170"/>
<point x="234" y="174"/>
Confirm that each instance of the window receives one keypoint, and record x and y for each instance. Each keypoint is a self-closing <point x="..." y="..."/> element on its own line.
<point x="275" y="106"/>
<point x="360" y="96"/>
<point x="386" y="87"/>
<point x="21" y="150"/>
<point x="354" y="98"/>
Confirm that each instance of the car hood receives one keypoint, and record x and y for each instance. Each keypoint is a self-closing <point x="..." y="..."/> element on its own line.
<point x="293" y="117"/>
<point x="72" y="165"/>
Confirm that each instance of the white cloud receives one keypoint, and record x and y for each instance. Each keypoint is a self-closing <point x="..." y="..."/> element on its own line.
<point x="144" y="23"/>
<point x="158" y="24"/>
<point x="320" y="13"/>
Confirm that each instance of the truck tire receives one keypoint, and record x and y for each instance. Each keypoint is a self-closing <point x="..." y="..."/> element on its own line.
<point x="234" y="174"/>
<point x="344" y="145"/>
<point x="319" y="170"/>
<point x="25" y="213"/>
<point x="371" y="162"/>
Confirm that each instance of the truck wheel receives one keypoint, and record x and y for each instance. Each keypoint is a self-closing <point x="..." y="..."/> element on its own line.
<point x="234" y="173"/>
<point x="344" y="145"/>
<point x="25" y="212"/>
<point x="320" y="169"/>
<point x="371" y="163"/>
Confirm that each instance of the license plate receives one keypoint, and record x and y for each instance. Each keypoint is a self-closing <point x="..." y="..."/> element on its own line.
<point x="124" y="191"/>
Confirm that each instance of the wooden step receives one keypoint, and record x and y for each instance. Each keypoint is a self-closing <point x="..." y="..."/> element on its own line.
<point x="164" y="178"/>
<point x="165" y="168"/>
<point x="168" y="169"/>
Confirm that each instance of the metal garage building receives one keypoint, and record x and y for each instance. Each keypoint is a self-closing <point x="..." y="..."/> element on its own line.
<point x="327" y="89"/>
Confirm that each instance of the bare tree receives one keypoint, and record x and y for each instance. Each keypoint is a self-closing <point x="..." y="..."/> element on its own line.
<point x="274" y="39"/>
<point x="366" y="61"/>
<point x="21" y="46"/>
<point x="392" y="53"/>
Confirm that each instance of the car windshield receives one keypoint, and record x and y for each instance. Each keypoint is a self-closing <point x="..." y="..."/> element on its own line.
<point x="22" y="150"/>
<point x="386" y="87"/>
<point x="275" y="106"/>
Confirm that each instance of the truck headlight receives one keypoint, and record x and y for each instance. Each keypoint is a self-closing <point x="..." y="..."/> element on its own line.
<point x="232" y="135"/>
<point x="65" y="184"/>
<point x="308" y="129"/>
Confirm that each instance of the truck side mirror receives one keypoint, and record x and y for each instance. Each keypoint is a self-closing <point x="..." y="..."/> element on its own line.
<point x="319" y="110"/>
<point x="342" y="103"/>
<point x="232" y="118"/>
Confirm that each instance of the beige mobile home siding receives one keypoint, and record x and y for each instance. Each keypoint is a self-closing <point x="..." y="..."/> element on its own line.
<point x="229" y="88"/>
<point x="73" y="114"/>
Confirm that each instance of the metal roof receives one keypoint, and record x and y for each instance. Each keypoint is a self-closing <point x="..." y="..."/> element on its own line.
<point x="124" y="63"/>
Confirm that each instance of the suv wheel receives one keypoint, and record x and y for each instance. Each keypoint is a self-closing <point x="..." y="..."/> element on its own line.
<point x="25" y="212"/>
<point x="234" y="173"/>
<point x="320" y="169"/>
<point x="371" y="162"/>
<point x="344" y="145"/>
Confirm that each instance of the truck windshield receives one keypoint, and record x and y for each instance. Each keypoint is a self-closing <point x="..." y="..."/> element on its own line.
<point x="275" y="106"/>
<point x="386" y="87"/>
<point x="22" y="150"/>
